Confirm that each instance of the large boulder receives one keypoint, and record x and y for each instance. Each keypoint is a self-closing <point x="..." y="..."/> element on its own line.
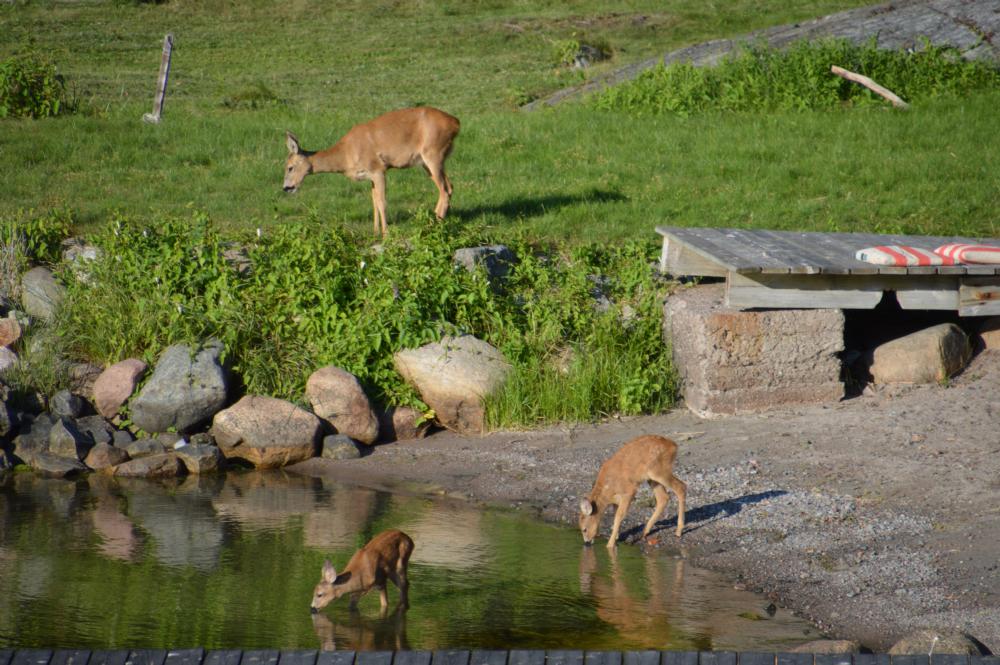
<point x="267" y="432"/>
<point x="66" y="440"/>
<point x="56" y="466"/>
<point x="336" y="396"/>
<point x="495" y="260"/>
<point x="453" y="376"/>
<point x="200" y="458"/>
<point x="105" y="456"/>
<point x="926" y="356"/>
<point x="41" y="294"/>
<point x="187" y="388"/>
<point x="116" y="384"/>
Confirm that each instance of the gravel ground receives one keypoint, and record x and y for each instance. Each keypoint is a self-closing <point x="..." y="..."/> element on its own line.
<point x="870" y="517"/>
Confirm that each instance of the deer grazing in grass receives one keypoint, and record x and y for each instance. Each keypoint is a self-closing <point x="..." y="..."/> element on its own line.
<point x="647" y="458"/>
<point x="396" y="140"/>
<point x="384" y="557"/>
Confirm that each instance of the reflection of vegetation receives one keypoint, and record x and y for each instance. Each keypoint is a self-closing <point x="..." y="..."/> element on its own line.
<point x="499" y="589"/>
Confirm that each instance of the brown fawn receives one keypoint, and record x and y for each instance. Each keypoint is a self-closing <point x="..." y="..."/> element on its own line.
<point x="396" y="140"/>
<point x="647" y="458"/>
<point x="384" y="557"/>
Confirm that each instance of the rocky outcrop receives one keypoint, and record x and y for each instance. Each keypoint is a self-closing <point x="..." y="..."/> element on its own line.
<point x="495" y="260"/>
<point x="337" y="397"/>
<point x="116" y="384"/>
<point x="266" y="432"/>
<point x="927" y="640"/>
<point x="164" y="465"/>
<point x="187" y="388"/>
<point x="453" y="377"/>
<point x="926" y="356"/>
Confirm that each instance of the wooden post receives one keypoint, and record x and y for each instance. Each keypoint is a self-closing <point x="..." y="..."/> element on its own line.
<point x="871" y="85"/>
<point x="161" y="83"/>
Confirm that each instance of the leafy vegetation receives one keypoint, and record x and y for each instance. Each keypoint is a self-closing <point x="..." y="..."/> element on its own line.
<point x="579" y="327"/>
<point x="30" y="87"/>
<point x="759" y="78"/>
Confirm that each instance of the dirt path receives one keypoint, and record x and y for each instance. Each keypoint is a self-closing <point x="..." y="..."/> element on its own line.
<point x="870" y="517"/>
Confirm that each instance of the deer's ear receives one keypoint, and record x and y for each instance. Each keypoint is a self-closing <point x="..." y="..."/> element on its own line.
<point x="329" y="572"/>
<point x="344" y="577"/>
<point x="586" y="506"/>
<point x="292" y="143"/>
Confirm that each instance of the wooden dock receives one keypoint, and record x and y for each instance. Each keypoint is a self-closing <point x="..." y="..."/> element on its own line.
<point x="464" y="657"/>
<point x="799" y="270"/>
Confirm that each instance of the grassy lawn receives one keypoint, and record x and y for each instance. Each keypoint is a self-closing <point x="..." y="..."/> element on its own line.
<point x="245" y="72"/>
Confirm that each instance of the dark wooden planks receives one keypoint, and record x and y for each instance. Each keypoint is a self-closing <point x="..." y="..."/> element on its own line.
<point x="757" y="658"/>
<point x="609" y="658"/>
<point x="223" y="657"/>
<point x="526" y="657"/>
<point x="335" y="658"/>
<point x="69" y="657"/>
<point x="565" y="657"/>
<point x="413" y="658"/>
<point x="450" y="657"/>
<point x="297" y="657"/>
<point x="184" y="657"/>
<point x="798" y="659"/>
<point x="488" y="657"/>
<point x="31" y="657"/>
<point x="680" y="658"/>
<point x="109" y="657"/>
<point x="641" y="658"/>
<point x="373" y="658"/>
<point x="146" y="657"/>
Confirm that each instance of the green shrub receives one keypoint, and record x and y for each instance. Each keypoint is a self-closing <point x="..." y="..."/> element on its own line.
<point x="317" y="295"/>
<point x="760" y="78"/>
<point x="30" y="88"/>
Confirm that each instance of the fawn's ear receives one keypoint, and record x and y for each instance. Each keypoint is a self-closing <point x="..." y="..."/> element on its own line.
<point x="292" y="143"/>
<point x="329" y="572"/>
<point x="344" y="577"/>
<point x="586" y="506"/>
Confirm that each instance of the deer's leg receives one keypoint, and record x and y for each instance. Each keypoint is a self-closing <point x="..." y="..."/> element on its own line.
<point x="662" y="499"/>
<point x="679" y="489"/>
<point x="620" y="512"/>
<point x="435" y="167"/>
<point x="404" y="585"/>
<point x="378" y="202"/>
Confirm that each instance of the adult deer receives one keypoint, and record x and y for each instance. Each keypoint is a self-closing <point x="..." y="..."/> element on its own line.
<point x="647" y="458"/>
<point x="396" y="140"/>
<point x="385" y="557"/>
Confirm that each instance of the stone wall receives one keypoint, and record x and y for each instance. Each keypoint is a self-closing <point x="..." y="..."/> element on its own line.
<point x="733" y="361"/>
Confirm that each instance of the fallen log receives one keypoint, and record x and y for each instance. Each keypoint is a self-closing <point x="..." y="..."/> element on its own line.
<point x="871" y="85"/>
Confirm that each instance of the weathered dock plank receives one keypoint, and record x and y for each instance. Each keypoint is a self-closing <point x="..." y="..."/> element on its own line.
<point x="911" y="659"/>
<point x="833" y="659"/>
<point x="335" y="658"/>
<point x="146" y="657"/>
<point x="873" y="659"/>
<point x="109" y="657"/>
<point x="606" y="658"/>
<point x="799" y="659"/>
<point x="526" y="657"/>
<point x="413" y="658"/>
<point x="949" y="659"/>
<point x="5" y="656"/>
<point x="647" y="657"/>
<point x="297" y="657"/>
<point x="31" y="657"/>
<point x="488" y="657"/>
<point x="185" y="657"/>
<point x="70" y="657"/>
<point x="717" y="658"/>
<point x="757" y="658"/>
<point x="373" y="658"/>
<point x="450" y="657"/>
<point x="223" y="657"/>
<point x="564" y="657"/>
<point x="260" y="657"/>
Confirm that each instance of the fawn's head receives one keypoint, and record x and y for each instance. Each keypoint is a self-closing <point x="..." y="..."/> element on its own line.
<point x="329" y="587"/>
<point x="297" y="166"/>
<point x="589" y="520"/>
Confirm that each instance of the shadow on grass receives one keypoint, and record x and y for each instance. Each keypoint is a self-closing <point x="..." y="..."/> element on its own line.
<point x="699" y="517"/>
<point x="535" y="206"/>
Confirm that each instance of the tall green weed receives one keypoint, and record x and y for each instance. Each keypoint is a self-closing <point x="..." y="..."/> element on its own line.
<point x="759" y="78"/>
<point x="30" y="87"/>
<point x="315" y="295"/>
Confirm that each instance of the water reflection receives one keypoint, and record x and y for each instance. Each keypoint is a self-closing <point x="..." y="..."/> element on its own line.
<point x="230" y="562"/>
<point x="362" y="633"/>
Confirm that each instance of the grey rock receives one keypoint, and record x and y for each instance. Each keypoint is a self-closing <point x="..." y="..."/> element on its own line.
<point x="496" y="260"/>
<point x="145" y="448"/>
<point x="66" y="404"/>
<point x="187" y="387"/>
<point x="115" y="385"/>
<point x="66" y="440"/>
<point x="453" y="377"/>
<point x="104" y="456"/>
<point x="399" y="423"/>
<point x="8" y="420"/>
<point x="340" y="447"/>
<point x="201" y="458"/>
<point x="56" y="466"/>
<point x="97" y="428"/>
<point x="121" y="438"/>
<point x="926" y="356"/>
<point x="41" y="294"/>
<point x="928" y="640"/>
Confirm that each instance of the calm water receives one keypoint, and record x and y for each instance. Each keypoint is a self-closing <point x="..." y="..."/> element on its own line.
<point x="230" y="562"/>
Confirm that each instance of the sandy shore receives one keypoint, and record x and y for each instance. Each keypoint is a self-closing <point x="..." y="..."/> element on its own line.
<point x="870" y="517"/>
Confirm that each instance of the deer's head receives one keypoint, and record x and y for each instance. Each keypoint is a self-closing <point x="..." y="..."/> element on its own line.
<point x="297" y="166"/>
<point x="329" y="587"/>
<point x="589" y="520"/>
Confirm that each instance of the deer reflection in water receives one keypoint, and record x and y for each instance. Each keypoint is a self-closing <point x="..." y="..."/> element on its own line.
<point x="363" y="633"/>
<point x="636" y="614"/>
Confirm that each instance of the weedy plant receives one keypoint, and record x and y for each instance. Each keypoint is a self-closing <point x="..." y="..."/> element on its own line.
<point x="759" y="78"/>
<point x="30" y="87"/>
<point x="580" y="327"/>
